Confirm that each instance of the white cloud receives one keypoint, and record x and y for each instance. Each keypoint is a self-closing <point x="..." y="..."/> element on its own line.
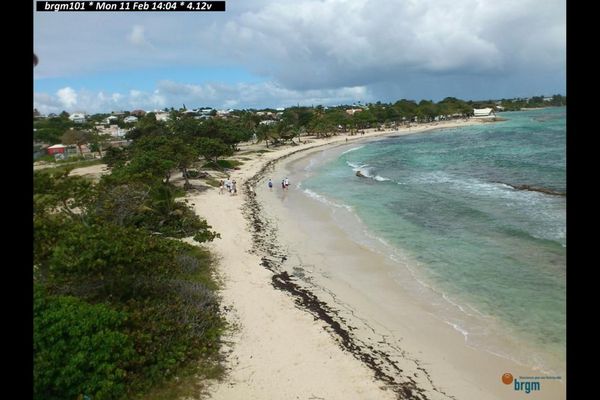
<point x="310" y="44"/>
<point x="136" y="36"/>
<point x="171" y="94"/>
<point x="67" y="97"/>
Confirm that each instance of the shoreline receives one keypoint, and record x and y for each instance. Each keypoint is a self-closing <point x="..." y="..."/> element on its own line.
<point x="359" y="371"/>
<point x="370" y="294"/>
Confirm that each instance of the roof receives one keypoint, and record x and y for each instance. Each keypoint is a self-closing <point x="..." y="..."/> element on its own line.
<point x="57" y="146"/>
<point x="482" y="111"/>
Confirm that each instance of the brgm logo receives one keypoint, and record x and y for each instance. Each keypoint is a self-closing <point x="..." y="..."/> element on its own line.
<point x="521" y="385"/>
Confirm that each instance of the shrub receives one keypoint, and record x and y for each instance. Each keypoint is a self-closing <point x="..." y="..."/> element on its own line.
<point x="78" y="349"/>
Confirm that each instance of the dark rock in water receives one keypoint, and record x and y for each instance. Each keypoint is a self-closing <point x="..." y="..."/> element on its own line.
<point x="360" y="174"/>
<point x="536" y="189"/>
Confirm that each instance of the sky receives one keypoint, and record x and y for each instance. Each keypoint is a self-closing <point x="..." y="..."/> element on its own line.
<point x="281" y="53"/>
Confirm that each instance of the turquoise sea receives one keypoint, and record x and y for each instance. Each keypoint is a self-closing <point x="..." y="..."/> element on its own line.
<point x="447" y="199"/>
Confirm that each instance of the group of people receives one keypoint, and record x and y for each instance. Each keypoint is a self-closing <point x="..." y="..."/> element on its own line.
<point x="285" y="183"/>
<point x="228" y="184"/>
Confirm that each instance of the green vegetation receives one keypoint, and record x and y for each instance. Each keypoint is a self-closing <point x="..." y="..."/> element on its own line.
<point x="73" y="162"/>
<point x="50" y="130"/>
<point x="121" y="305"/>
<point x="78" y="348"/>
<point x="222" y="164"/>
<point x="536" y="101"/>
<point x="213" y="182"/>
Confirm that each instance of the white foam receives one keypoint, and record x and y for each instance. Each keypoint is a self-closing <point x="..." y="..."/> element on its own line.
<point x="311" y="164"/>
<point x="353" y="149"/>
<point x="356" y="166"/>
<point x="458" y="328"/>
<point x="325" y="200"/>
<point x="366" y="171"/>
<point x="380" y="178"/>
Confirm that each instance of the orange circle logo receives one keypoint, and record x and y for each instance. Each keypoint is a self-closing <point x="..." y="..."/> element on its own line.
<point x="507" y="378"/>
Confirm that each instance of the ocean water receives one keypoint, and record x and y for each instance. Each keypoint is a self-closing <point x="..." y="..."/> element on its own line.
<point x="447" y="201"/>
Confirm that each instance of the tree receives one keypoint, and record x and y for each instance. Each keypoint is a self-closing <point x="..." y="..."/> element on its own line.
<point x="59" y="192"/>
<point x="288" y="132"/>
<point x="98" y="141"/>
<point x="76" y="137"/>
<point x="148" y="125"/>
<point x="426" y="110"/>
<point x="406" y="108"/>
<point x="212" y="149"/>
<point x="185" y="156"/>
<point x="115" y="157"/>
<point x="152" y="157"/>
<point x="50" y="130"/>
<point x="264" y="133"/>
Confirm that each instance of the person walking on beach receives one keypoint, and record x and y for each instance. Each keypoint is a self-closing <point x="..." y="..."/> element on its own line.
<point x="270" y="185"/>
<point x="287" y="183"/>
<point x="233" y="188"/>
<point x="283" y="184"/>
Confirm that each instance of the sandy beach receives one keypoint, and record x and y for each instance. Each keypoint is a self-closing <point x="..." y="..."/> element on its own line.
<point x="306" y="328"/>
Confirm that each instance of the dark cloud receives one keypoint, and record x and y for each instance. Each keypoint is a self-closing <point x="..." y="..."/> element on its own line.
<point x="417" y="49"/>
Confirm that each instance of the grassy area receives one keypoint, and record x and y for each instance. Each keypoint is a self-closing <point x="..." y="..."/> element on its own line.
<point x="213" y="182"/>
<point x="179" y="192"/>
<point x="72" y="165"/>
<point x="255" y="151"/>
<point x="222" y="164"/>
<point x="190" y="381"/>
<point x="49" y="159"/>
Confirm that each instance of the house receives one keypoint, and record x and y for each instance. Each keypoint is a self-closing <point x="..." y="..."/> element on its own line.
<point x="119" y="143"/>
<point x="112" y="130"/>
<point x="57" y="149"/>
<point x="223" y="113"/>
<point x="78" y="118"/>
<point x="264" y="113"/>
<point x="162" y="116"/>
<point x="138" y="113"/>
<point x="268" y="122"/>
<point x="484" y="112"/>
<point x="353" y="111"/>
<point x="109" y="119"/>
<point x="131" y="119"/>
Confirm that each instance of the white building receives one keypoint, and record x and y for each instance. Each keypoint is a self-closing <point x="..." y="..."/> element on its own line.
<point x="112" y="130"/>
<point x="484" y="112"/>
<point x="78" y="118"/>
<point x="130" y="119"/>
<point x="109" y="119"/>
<point x="162" y="116"/>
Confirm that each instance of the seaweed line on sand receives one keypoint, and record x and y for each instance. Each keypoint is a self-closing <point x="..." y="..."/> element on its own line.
<point x="265" y="244"/>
